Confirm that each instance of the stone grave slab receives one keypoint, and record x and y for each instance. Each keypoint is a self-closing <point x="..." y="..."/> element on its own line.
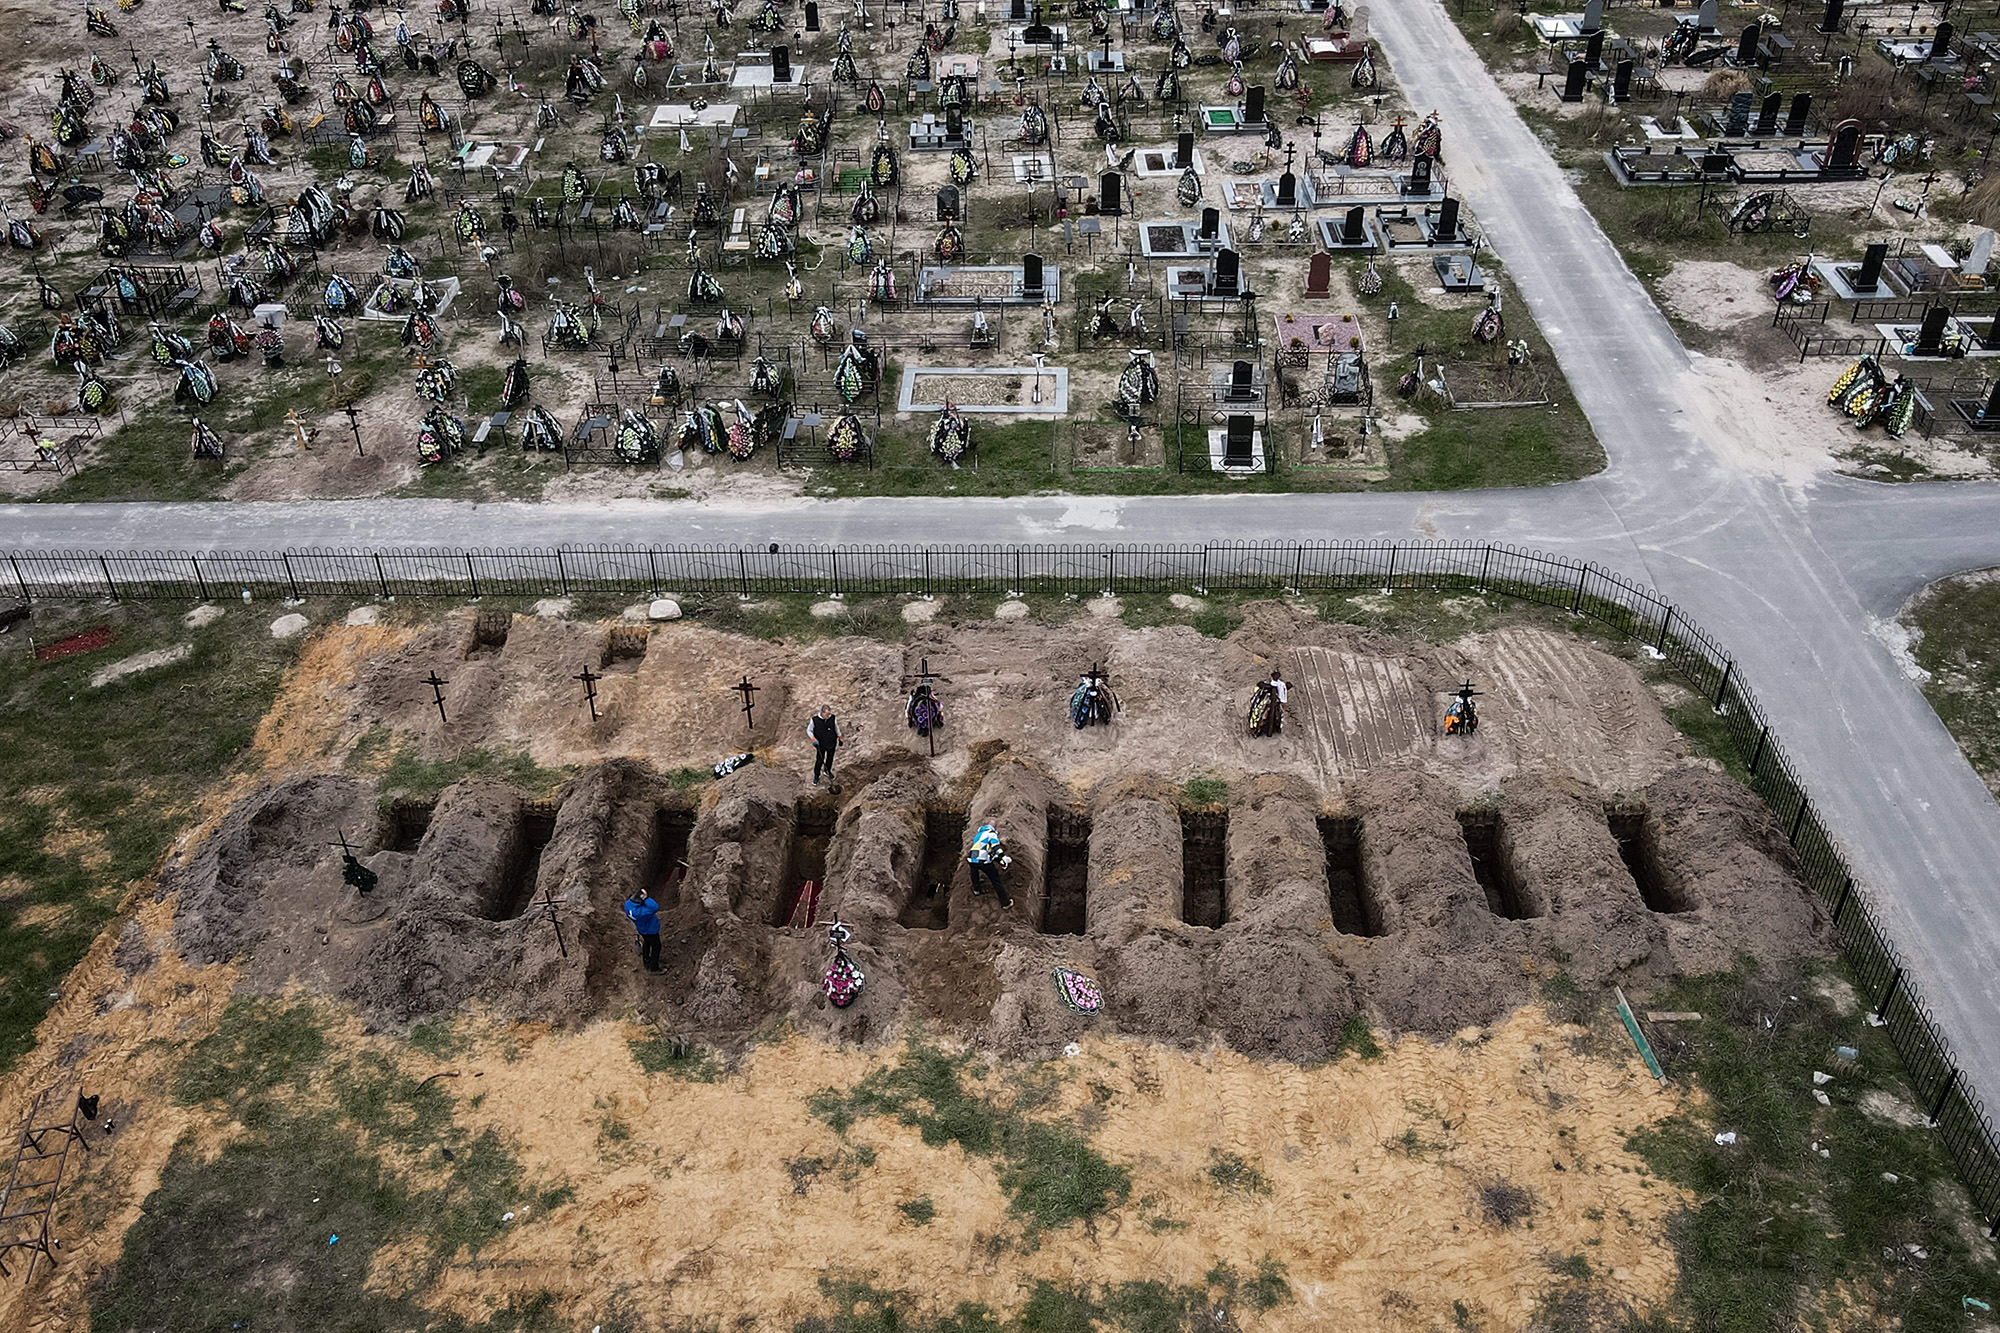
<point x="445" y="288"/>
<point x="682" y="115"/>
<point x="990" y="390"/>
<point x="1836" y="277"/>
<point x="1154" y="161"/>
<point x="1218" y="454"/>
<point x="1226" y="120"/>
<point x="1305" y="335"/>
<point x="1333" y="234"/>
<point x="1175" y="238"/>
<point x="1553" y="28"/>
<point x="995" y="284"/>
<point x="1459" y="273"/>
<point x="754" y="70"/>
<point x="1036" y="167"/>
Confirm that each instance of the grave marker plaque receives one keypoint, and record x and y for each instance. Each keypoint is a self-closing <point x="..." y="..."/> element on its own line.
<point x="781" y="64"/>
<point x="1447" y="221"/>
<point x="1238" y="439"/>
<point x="1930" y="337"/>
<point x="812" y="15"/>
<point x="1621" y="81"/>
<point x="1031" y="275"/>
<point x="1573" y="82"/>
<point x="1288" y="191"/>
<point x="1184" y="151"/>
<point x="1767" y="115"/>
<point x="1940" y="43"/>
<point x="1846" y="140"/>
<point x="1319" y="274"/>
<point x="947" y="204"/>
<point x="1253" y="104"/>
<point x="1353" y="228"/>
<point x="1420" y="177"/>
<point x="1228" y="273"/>
<point x="1795" y="117"/>
<point x="1593" y="17"/>
<point x="1829" y="21"/>
<point x="1241" y="382"/>
<point x="1746" y="45"/>
<point x="1737" y="119"/>
<point x="1705" y="16"/>
<point x="1869" y="276"/>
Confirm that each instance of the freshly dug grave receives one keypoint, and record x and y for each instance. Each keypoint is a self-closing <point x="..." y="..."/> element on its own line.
<point x="1459" y="906"/>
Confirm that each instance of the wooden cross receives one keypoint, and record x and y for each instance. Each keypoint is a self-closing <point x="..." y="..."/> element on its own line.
<point x="924" y="677"/>
<point x="589" y="679"/>
<point x="437" y="688"/>
<point x="746" y="689"/>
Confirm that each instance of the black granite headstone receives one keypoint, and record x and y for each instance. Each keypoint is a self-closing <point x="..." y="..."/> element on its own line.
<point x="1228" y="273"/>
<point x="1930" y="337"/>
<point x="1447" y="223"/>
<point x="1241" y="385"/>
<point x="781" y="64"/>
<point x="1253" y="104"/>
<point x="1211" y="224"/>
<point x="1420" y="176"/>
<point x="1031" y="275"/>
<point x="1846" y="139"/>
<point x="1767" y="115"/>
<point x="1869" y="276"/>
<point x="1354" y="227"/>
<point x="1830" y="20"/>
<point x="1110" y="194"/>
<point x="1621" y="81"/>
<point x="1746" y="45"/>
<point x="1593" y="50"/>
<point x="1288" y="191"/>
<point x="1239" y="436"/>
<point x="1795" y="118"/>
<point x="1940" y="42"/>
<point x="1573" y="82"/>
<point x="1184" y="151"/>
<point x="947" y="204"/>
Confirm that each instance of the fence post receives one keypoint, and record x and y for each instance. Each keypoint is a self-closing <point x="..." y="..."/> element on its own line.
<point x="927" y="571"/>
<point x="1895" y="980"/>
<point x="1110" y="570"/>
<point x="1018" y="579"/>
<point x="1937" y="1107"/>
<point x="653" y="570"/>
<point x="1485" y="563"/>
<point x="1728" y="669"/>
<point x="562" y="572"/>
<point x="743" y="573"/>
<point x="1758" y="753"/>
<point x="1840" y="904"/>
<point x="381" y="577"/>
<point x="200" y="583"/>
<point x="105" y="565"/>
<point x="1798" y="820"/>
<point x="1389" y="578"/>
<point x="18" y="579"/>
<point x="472" y="574"/>
<point x="834" y="555"/>
<point x="1576" y="598"/>
<point x="1299" y="565"/>
<point x="1202" y="587"/>
<point x="291" y="578"/>
<point x="1660" y="644"/>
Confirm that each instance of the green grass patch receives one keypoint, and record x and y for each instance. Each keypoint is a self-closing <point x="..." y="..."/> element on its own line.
<point x="1204" y="792"/>
<point x="1358" y="1039"/>
<point x="1959" y="619"/>
<point x="1049" y="1171"/>
<point x="103" y="778"/>
<point x="662" y="1054"/>
<point x="1780" y="1236"/>
<point x="919" y="1211"/>
<point x="280" y="1228"/>
<point x="407" y="773"/>
<point x="1231" y="1171"/>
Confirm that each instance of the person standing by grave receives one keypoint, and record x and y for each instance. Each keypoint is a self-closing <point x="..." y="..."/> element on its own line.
<point x="988" y="858"/>
<point x="1283" y="695"/>
<point x="824" y="729"/>
<point x="645" y="915"/>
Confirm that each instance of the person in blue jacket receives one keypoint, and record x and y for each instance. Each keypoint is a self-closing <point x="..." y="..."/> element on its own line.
<point x="645" y="914"/>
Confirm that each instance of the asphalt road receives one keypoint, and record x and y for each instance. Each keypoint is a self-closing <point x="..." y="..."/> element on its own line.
<point x="1793" y="575"/>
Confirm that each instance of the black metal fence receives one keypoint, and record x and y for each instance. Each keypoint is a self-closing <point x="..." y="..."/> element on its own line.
<point x="1581" y="588"/>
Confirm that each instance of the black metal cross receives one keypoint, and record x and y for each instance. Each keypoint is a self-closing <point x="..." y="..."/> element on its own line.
<point x="354" y="424"/>
<point x="746" y="689"/>
<point x="352" y="873"/>
<point x="924" y="677"/>
<point x="589" y="679"/>
<point x="437" y="688"/>
<point x="548" y="902"/>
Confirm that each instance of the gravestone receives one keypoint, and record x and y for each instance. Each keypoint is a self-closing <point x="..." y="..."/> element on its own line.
<point x="1621" y="81"/>
<point x="1038" y="34"/>
<point x="1869" y="276"/>
<point x="1238" y="438"/>
<point x="812" y="15"/>
<point x="1846" y="139"/>
<point x="1253" y="104"/>
<point x="1982" y="255"/>
<point x="1767" y="115"/>
<point x="1830" y="20"/>
<point x="1573" y="82"/>
<point x="1593" y="17"/>
<point x="1930" y="337"/>
<point x="1354" y="227"/>
<point x="1593" y="50"/>
<point x="1211" y="224"/>
<point x="1031" y="275"/>
<point x="1017" y="11"/>
<point x="947" y="204"/>
<point x="1447" y="223"/>
<point x="1420" y="177"/>
<point x="1241" y="383"/>
<point x="1288" y="191"/>
<point x="1991" y="412"/>
<point x="1228" y="273"/>
<point x="1184" y="151"/>
<point x="781" y="64"/>
<point x="1737" y="119"/>
<point x="1110" y="199"/>
<point x="1940" y="43"/>
<point x="1746" y="45"/>
<point x="1319" y="274"/>
<point x="1705" y="16"/>
<point x="1795" y="118"/>
<point x="954" y="124"/>
<point x="1715" y="162"/>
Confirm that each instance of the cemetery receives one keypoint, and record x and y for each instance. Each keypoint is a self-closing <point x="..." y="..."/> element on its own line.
<point x="1826" y="166"/>
<point x="513" y="252"/>
<point x="1227" y="899"/>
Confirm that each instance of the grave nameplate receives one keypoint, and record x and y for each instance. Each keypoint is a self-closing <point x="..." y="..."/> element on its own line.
<point x="947" y="204"/>
<point x="1447" y="221"/>
<point x="1767" y="115"/>
<point x="1830" y="20"/>
<point x="1930" y="337"/>
<point x="1288" y="191"/>
<point x="1795" y="117"/>
<point x="1184" y="151"/>
<point x="1940" y="43"/>
<point x="1737" y="119"/>
<point x="1110" y="194"/>
<point x="1241" y="382"/>
<point x="1354" y="227"/>
<point x="1031" y="275"/>
<point x="1253" y="104"/>
<point x="1579" y="74"/>
<point x="1228" y="273"/>
<point x="1746" y="45"/>
<point x="1319" y="274"/>
<point x="1621" y="81"/>
<point x="1239" y="436"/>
<point x="1869" y="276"/>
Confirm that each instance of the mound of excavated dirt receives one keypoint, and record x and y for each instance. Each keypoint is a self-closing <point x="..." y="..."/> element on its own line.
<point x="1367" y="868"/>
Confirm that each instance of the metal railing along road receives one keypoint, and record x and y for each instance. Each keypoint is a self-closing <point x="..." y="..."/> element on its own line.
<point x="1584" y="589"/>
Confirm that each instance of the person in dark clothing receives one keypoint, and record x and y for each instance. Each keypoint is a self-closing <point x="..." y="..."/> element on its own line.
<point x="825" y="732"/>
<point x="645" y="914"/>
